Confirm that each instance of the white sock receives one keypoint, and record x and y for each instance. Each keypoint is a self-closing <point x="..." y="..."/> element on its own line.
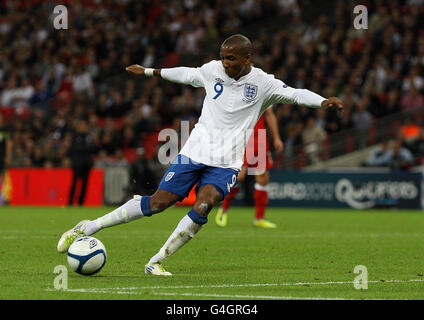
<point x="129" y="211"/>
<point x="185" y="231"/>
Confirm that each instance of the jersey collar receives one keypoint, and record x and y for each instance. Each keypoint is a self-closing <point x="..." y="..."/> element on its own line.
<point x="241" y="79"/>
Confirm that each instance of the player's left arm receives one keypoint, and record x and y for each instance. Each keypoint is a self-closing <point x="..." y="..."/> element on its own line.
<point x="281" y="93"/>
<point x="272" y="125"/>
<point x="332" y="102"/>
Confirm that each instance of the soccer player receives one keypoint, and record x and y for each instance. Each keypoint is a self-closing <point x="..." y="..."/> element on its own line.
<point x="256" y="145"/>
<point x="236" y="95"/>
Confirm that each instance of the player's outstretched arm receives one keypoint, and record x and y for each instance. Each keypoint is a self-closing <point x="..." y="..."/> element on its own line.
<point x="140" y="70"/>
<point x="183" y="75"/>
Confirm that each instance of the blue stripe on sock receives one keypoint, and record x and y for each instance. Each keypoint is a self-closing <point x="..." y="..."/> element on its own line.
<point x="145" y="206"/>
<point x="197" y="218"/>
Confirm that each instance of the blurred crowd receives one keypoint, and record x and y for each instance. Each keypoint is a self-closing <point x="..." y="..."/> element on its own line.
<point x="401" y="153"/>
<point x="50" y="79"/>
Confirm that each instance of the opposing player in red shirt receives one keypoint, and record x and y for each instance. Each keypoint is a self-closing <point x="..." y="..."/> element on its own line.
<point x="257" y="149"/>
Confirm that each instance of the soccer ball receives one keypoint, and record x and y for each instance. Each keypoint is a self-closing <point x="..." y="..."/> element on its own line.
<point x="87" y="255"/>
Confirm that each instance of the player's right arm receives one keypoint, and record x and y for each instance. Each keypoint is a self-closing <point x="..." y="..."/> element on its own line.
<point x="184" y="75"/>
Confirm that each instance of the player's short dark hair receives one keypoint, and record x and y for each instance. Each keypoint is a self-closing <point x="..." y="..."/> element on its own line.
<point x="240" y="43"/>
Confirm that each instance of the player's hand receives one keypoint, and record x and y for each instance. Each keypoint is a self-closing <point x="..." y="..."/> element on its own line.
<point x="278" y="145"/>
<point x="136" y="69"/>
<point x="332" y="102"/>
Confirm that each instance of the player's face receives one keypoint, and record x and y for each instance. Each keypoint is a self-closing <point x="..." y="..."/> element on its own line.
<point x="233" y="63"/>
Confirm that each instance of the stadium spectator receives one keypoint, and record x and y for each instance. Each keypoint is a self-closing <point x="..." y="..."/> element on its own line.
<point x="102" y="160"/>
<point x="41" y="96"/>
<point x="395" y="156"/>
<point x="5" y="144"/>
<point x="346" y="120"/>
<point x="412" y="100"/>
<point x="37" y="157"/>
<point x="81" y="154"/>
<point x="362" y="120"/>
<point x="392" y="104"/>
<point x="23" y="94"/>
<point x="119" y="160"/>
<point x="10" y="93"/>
<point x="332" y="122"/>
<point x="380" y="156"/>
<point x="400" y="157"/>
<point x="312" y="136"/>
<point x="321" y="118"/>
<point x="292" y="139"/>
<point x="414" y="80"/>
<point x="19" y="158"/>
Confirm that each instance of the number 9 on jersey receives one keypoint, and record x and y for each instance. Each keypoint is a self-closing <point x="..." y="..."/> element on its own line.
<point x="218" y="87"/>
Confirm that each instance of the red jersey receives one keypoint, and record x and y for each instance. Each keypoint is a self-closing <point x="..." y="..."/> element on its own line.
<point x="255" y="145"/>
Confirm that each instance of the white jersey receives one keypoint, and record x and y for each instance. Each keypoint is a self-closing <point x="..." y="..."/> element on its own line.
<point x="231" y="109"/>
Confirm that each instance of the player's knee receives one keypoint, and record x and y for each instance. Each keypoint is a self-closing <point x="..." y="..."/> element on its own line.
<point x="204" y="207"/>
<point x="207" y="197"/>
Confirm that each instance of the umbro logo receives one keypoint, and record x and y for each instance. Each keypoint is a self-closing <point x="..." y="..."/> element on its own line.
<point x="92" y="243"/>
<point x="219" y="80"/>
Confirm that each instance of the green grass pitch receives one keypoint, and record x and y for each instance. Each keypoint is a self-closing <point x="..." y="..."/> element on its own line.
<point x="311" y="255"/>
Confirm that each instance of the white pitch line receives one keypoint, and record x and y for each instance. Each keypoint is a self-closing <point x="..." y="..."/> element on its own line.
<point x="243" y="296"/>
<point x="133" y="290"/>
<point x="108" y="291"/>
<point x="231" y="296"/>
<point x="260" y="285"/>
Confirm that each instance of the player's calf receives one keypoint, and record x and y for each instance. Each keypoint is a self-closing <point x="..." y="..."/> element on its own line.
<point x="186" y="229"/>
